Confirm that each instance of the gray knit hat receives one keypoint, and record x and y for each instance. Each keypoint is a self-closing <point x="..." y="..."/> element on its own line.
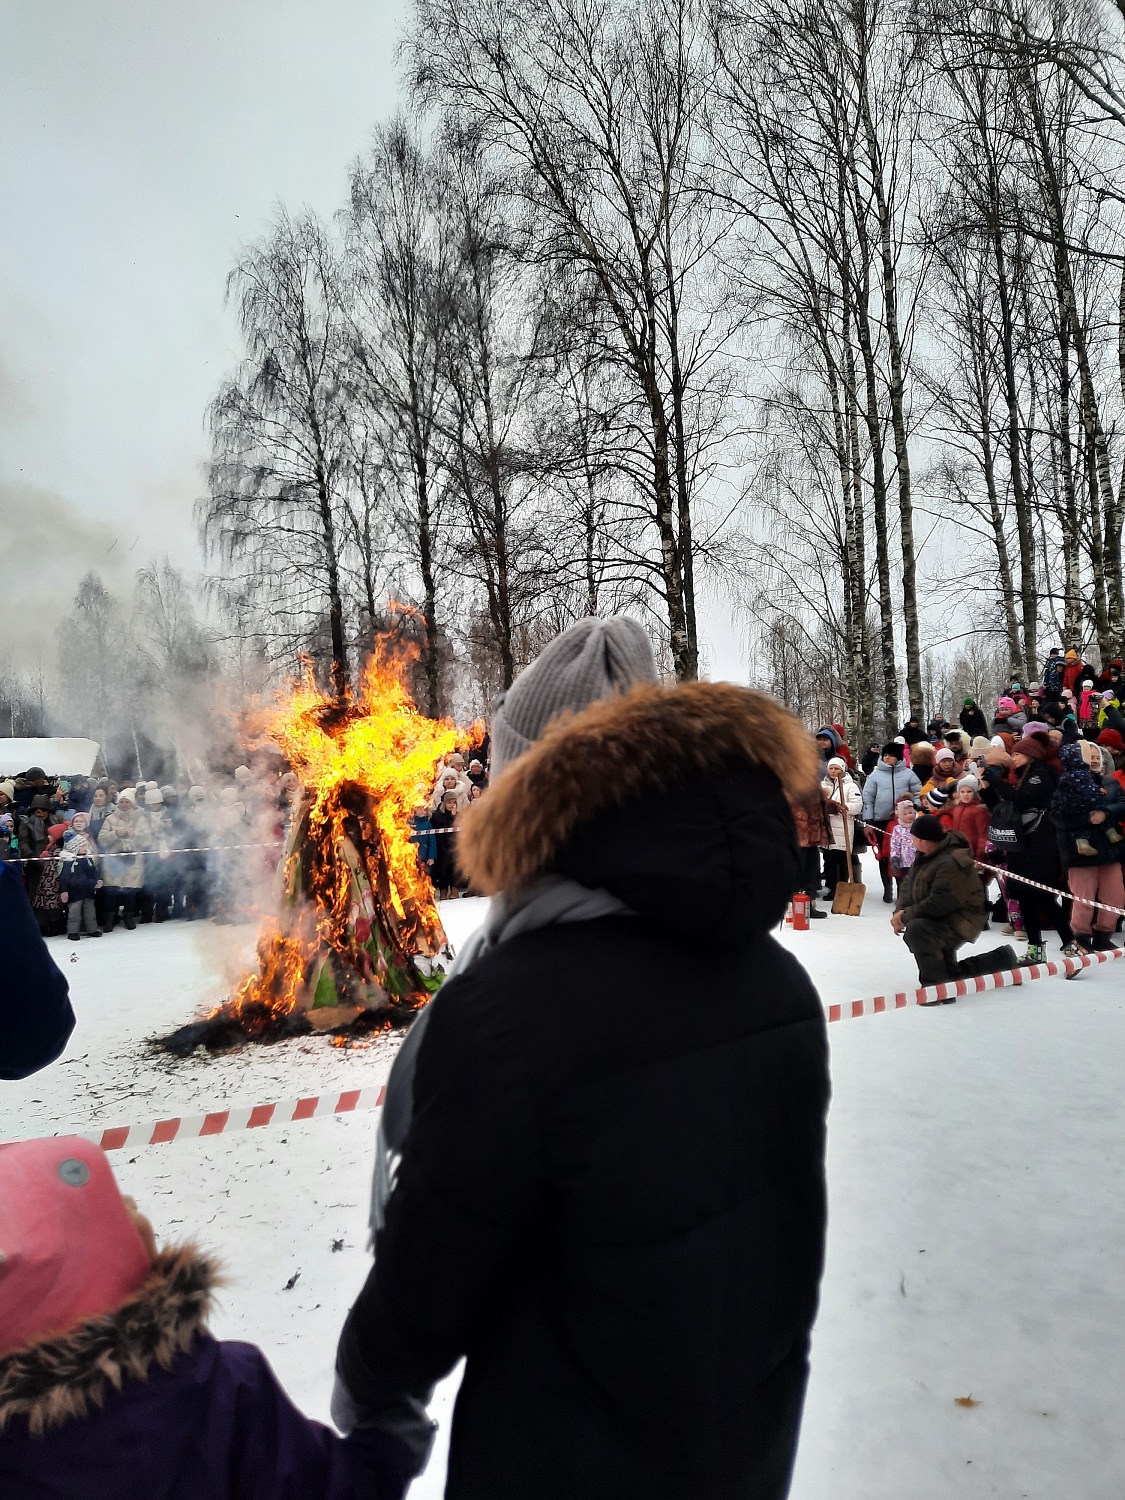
<point x="593" y="659"/>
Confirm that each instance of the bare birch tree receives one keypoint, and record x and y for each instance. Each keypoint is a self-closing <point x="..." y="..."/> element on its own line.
<point x="279" y="437"/>
<point x="595" y="112"/>
<point x="399" y="269"/>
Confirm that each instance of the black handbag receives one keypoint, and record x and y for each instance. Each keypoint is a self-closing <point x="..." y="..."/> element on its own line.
<point x="1009" y="829"/>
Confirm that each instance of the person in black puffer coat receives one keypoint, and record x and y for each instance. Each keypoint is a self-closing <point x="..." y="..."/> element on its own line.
<point x="1032" y="788"/>
<point x="633" y="1285"/>
<point x="1087" y="811"/>
<point x="972" y="720"/>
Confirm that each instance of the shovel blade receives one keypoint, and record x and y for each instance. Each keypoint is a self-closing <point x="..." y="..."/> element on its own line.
<point x="848" y="898"/>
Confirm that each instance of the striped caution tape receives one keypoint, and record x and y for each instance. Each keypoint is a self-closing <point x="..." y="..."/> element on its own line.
<point x="319" y="1106"/>
<point x="226" y="1121"/>
<point x="1051" y="889"/>
<point x="57" y="859"/>
<point x="953" y="989"/>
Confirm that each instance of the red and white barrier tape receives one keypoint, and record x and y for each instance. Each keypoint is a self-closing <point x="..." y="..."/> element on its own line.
<point x="58" y="859"/>
<point x="318" y="1106"/>
<point x="955" y="988"/>
<point x="1051" y="889"/>
<point x="225" y="1121"/>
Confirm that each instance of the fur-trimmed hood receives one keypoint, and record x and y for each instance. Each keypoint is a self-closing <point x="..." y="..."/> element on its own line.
<point x="621" y="757"/>
<point x="60" y="1378"/>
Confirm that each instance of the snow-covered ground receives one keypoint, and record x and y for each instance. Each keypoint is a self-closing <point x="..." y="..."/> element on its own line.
<point x="977" y="1203"/>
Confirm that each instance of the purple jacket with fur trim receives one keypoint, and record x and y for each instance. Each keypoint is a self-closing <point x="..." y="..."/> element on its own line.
<point x="192" y="1419"/>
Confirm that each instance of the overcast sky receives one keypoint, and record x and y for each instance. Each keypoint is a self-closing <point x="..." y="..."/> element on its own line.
<point x="140" y="145"/>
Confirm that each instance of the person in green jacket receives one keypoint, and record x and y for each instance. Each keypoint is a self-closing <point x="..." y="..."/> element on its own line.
<point x="941" y="905"/>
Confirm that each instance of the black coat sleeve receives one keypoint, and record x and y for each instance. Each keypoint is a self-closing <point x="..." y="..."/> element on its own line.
<point x="466" y="1188"/>
<point x="35" y="1014"/>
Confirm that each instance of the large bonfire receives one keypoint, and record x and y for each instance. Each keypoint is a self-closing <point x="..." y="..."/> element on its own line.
<point x="356" y="932"/>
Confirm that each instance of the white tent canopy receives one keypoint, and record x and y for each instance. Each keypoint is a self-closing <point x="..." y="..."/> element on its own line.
<point x="58" y="757"/>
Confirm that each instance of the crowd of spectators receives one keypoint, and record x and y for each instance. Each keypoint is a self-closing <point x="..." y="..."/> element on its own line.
<point x="96" y="855"/>
<point x="1035" y="791"/>
<point x="461" y="779"/>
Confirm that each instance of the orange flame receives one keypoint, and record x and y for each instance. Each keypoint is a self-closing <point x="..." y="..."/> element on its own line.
<point x="357" y="907"/>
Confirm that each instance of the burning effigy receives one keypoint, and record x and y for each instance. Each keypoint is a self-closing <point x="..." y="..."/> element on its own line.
<point x="355" y="940"/>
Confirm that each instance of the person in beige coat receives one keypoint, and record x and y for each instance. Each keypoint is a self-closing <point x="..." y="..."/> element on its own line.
<point x="124" y="837"/>
<point x="845" y="801"/>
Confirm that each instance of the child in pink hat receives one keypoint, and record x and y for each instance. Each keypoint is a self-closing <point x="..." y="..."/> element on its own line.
<point x="111" y="1386"/>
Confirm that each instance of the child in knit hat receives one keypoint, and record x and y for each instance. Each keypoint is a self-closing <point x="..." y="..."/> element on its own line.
<point x="111" y="1385"/>
<point x="79" y="879"/>
<point x="935" y="803"/>
<point x="901" y="848"/>
<point x="943" y="778"/>
<point x="969" y="816"/>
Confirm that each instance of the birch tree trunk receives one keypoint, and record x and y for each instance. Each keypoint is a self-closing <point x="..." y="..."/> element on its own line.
<point x="896" y="392"/>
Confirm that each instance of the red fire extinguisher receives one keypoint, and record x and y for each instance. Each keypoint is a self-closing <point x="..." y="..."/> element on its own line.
<point x="801" y="903"/>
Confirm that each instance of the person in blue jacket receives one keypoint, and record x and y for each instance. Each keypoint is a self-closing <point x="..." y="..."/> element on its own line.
<point x="422" y="837"/>
<point x="889" y="781"/>
<point x="36" y="1018"/>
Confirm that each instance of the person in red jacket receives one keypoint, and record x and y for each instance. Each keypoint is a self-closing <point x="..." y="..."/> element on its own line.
<point x="968" y="815"/>
<point x="1113" y="748"/>
<point x="1074" y="671"/>
<point x="843" y="751"/>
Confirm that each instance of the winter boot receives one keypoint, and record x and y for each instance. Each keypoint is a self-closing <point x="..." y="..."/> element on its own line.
<point x="75" y="937"/>
<point x="1077" y="947"/>
<point x="995" y="961"/>
<point x="815" y="911"/>
<point x="130" y="923"/>
<point x="1103" y="942"/>
<point x="1036" y="954"/>
<point x="97" y="932"/>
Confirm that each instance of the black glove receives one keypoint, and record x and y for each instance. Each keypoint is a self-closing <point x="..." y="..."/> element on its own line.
<point x="386" y="1458"/>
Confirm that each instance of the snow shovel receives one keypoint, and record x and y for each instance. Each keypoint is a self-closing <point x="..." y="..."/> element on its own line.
<point x="847" y="900"/>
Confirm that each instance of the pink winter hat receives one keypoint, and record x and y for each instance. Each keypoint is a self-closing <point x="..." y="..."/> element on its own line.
<point x="1005" y="707"/>
<point x="68" y="1248"/>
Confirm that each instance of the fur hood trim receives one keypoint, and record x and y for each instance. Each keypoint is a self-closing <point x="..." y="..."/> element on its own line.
<point x="617" y="750"/>
<point x="62" y="1377"/>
